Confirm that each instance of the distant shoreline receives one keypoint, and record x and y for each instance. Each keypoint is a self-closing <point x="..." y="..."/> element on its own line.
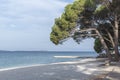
<point x="42" y="51"/>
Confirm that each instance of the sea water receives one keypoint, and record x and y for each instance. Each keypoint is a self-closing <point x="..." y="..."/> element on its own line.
<point x="9" y="59"/>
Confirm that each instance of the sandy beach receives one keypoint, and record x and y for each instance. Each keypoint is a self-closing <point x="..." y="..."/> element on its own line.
<point x="85" y="69"/>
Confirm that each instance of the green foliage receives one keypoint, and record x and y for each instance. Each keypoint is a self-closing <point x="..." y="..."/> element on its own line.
<point x="62" y="23"/>
<point x="98" y="46"/>
<point x="99" y="9"/>
<point x="57" y="34"/>
<point x="101" y="12"/>
<point x="80" y="12"/>
<point x="90" y="4"/>
<point x="78" y="6"/>
<point x="70" y="15"/>
<point x="86" y="14"/>
<point x="65" y="24"/>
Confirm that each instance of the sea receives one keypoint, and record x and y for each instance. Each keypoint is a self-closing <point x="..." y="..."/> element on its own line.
<point x="9" y="59"/>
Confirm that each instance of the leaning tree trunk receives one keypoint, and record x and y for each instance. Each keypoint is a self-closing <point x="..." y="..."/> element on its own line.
<point x="104" y="45"/>
<point x="113" y="43"/>
<point x="101" y="40"/>
<point x="117" y="55"/>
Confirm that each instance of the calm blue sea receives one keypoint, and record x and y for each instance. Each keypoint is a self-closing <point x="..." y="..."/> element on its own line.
<point x="10" y="59"/>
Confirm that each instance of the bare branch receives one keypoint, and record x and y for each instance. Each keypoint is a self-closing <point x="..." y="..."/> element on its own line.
<point x="85" y="30"/>
<point x="107" y="39"/>
<point x="90" y="35"/>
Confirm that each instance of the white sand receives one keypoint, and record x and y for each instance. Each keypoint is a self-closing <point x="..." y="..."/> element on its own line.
<point x="85" y="69"/>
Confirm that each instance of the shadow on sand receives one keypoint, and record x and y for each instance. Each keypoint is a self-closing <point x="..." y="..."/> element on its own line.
<point x="77" y="71"/>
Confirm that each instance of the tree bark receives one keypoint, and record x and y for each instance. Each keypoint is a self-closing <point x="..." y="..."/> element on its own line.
<point x="117" y="55"/>
<point x="104" y="45"/>
<point x="111" y="38"/>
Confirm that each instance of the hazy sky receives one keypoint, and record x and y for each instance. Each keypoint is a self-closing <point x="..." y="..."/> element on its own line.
<point x="26" y="25"/>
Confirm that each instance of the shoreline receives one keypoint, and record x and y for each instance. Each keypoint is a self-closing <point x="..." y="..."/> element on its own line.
<point x="84" y="69"/>
<point x="20" y="67"/>
<point x="35" y="65"/>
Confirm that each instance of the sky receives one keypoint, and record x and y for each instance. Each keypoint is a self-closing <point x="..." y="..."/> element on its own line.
<point x="26" y="25"/>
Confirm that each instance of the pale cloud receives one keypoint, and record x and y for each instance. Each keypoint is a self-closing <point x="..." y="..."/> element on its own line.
<point x="26" y="24"/>
<point x="29" y="12"/>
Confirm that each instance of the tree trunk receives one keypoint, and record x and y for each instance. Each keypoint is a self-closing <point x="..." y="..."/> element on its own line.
<point x="111" y="38"/>
<point x="104" y="45"/>
<point x="117" y="55"/>
<point x="102" y="41"/>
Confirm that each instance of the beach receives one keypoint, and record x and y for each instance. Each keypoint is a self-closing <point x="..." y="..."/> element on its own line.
<point x="84" y="69"/>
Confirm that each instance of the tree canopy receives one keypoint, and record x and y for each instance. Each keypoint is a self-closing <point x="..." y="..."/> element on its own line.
<point x="98" y="19"/>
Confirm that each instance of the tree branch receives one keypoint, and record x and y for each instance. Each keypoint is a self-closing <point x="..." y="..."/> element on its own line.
<point x="85" y="30"/>
<point x="89" y="35"/>
<point x="107" y="39"/>
<point x="111" y="38"/>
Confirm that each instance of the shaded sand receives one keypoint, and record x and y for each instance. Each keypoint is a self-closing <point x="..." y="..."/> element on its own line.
<point x="85" y="69"/>
<point x="115" y="73"/>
